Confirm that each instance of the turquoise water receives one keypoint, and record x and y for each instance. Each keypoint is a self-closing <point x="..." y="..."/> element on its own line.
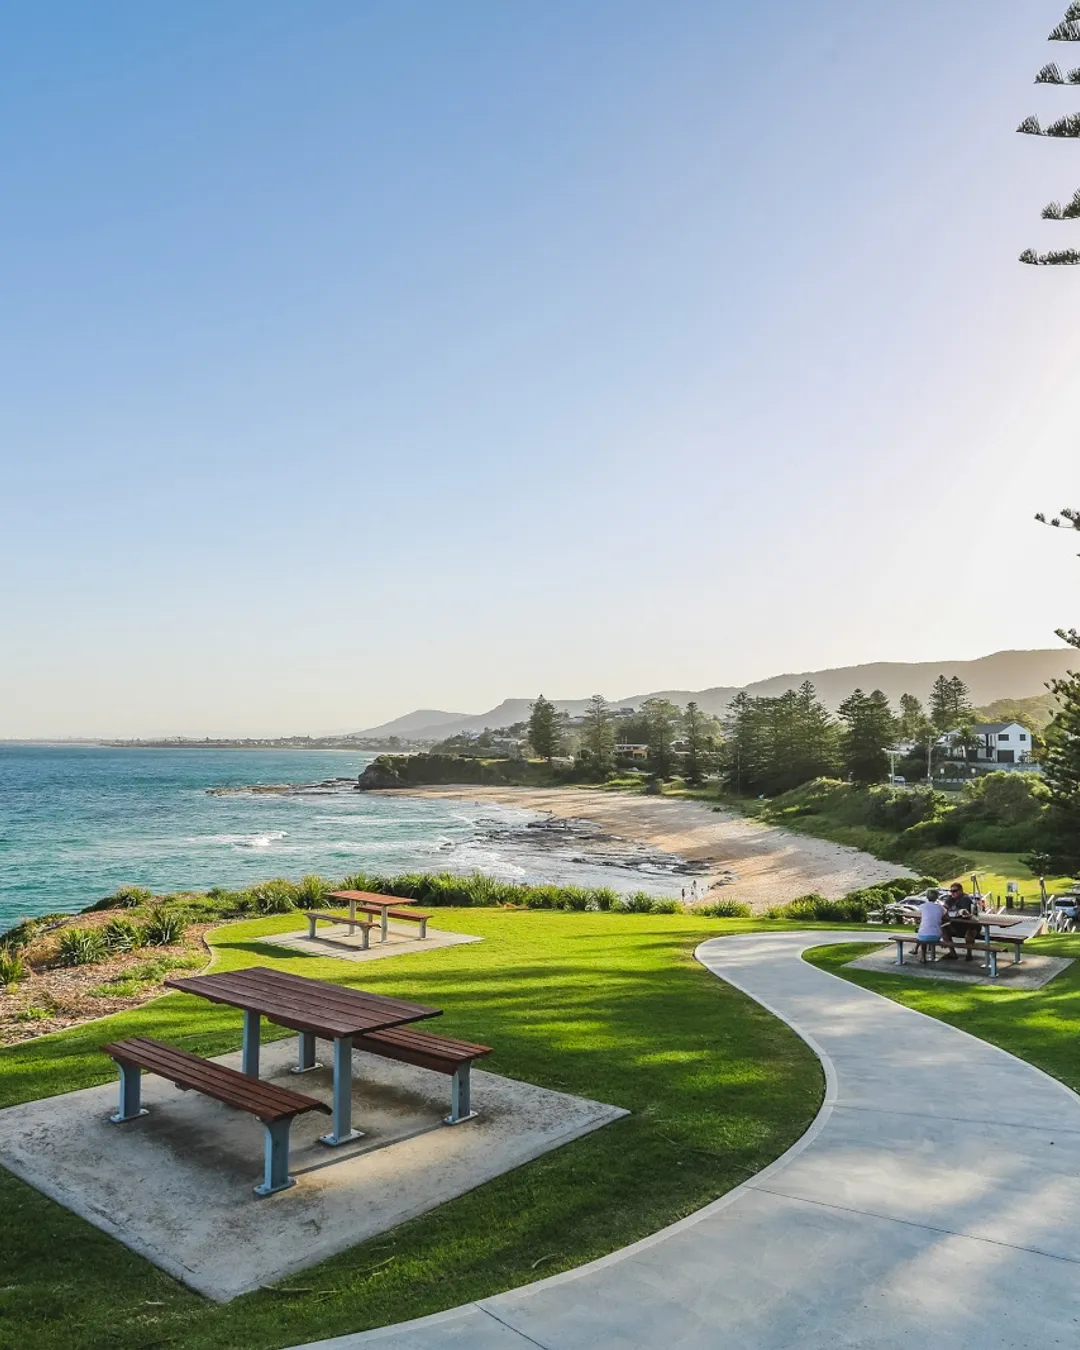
<point x="78" y="821"/>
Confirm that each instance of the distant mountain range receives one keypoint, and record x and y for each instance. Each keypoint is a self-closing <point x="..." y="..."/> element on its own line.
<point x="1002" y="676"/>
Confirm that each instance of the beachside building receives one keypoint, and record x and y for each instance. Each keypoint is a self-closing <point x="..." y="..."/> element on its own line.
<point x="999" y="743"/>
<point x="631" y="751"/>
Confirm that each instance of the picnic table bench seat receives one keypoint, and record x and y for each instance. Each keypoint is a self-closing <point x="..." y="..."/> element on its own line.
<point x="315" y="916"/>
<point x="428" y="1051"/>
<point x="916" y="944"/>
<point x="368" y="907"/>
<point x="274" y="1106"/>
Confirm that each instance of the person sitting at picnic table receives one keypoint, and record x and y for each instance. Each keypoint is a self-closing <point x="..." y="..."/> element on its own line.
<point x="931" y="914"/>
<point x="960" y="909"/>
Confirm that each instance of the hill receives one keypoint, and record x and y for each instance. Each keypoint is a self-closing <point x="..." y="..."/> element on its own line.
<point x="1009" y="678"/>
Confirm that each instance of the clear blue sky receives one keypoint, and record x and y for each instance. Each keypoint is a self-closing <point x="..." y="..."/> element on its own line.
<point x="363" y="356"/>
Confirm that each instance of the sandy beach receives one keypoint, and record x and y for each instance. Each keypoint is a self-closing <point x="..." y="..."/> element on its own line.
<point x="744" y="859"/>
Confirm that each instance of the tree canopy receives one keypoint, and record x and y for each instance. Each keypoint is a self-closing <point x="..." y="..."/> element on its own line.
<point x="545" y="728"/>
<point x="1062" y="128"/>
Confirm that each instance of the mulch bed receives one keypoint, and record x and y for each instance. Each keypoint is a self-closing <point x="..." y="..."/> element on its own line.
<point x="61" y="994"/>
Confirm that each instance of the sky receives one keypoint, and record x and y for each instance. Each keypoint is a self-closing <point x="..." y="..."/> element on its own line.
<point x="359" y="357"/>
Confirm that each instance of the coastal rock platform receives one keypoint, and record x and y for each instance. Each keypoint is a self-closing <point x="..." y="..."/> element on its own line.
<point x="176" y="1186"/>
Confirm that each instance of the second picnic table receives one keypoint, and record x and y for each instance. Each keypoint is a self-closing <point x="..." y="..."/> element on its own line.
<point x="311" y="1008"/>
<point x="385" y="904"/>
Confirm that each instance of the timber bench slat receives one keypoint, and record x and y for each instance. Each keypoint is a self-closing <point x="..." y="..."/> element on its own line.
<point x="258" y="1098"/>
<point x="274" y="1106"/>
<point x="316" y="916"/>
<point x="428" y="1051"/>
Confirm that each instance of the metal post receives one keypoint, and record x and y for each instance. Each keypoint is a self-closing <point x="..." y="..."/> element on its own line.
<point x="311" y="926"/>
<point x="276" y="1158"/>
<point x="423" y="929"/>
<point x="131" y="1107"/>
<point x="249" y="1056"/>
<point x="305" y="1052"/>
<point x="385" y="922"/>
<point x="343" y="1130"/>
<point x="460" y="1096"/>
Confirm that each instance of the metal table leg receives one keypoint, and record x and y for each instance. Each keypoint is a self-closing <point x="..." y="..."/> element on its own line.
<point x="343" y="1130"/>
<point x="250" y="1053"/>
<point x="305" y="1052"/>
<point x="385" y="923"/>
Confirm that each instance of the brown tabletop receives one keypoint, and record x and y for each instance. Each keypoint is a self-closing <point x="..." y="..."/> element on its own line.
<point x="369" y="898"/>
<point x="327" y="1010"/>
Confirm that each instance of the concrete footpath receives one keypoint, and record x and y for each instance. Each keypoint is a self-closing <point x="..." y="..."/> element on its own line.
<point x="935" y="1201"/>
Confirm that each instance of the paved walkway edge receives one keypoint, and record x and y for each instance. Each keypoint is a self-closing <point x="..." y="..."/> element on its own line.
<point x="643" y="1244"/>
<point x="486" y="1324"/>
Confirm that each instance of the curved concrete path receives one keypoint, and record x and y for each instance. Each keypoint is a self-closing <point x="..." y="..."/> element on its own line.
<point x="934" y="1202"/>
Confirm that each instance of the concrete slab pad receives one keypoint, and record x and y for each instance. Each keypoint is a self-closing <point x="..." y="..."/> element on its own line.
<point x="1032" y="973"/>
<point x="176" y="1186"/>
<point x="332" y="939"/>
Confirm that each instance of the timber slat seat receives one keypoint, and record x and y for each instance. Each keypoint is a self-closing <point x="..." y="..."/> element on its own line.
<point x="427" y="1051"/>
<point x="315" y="916"/>
<point x="274" y="1106"/>
<point x="410" y="914"/>
<point x="916" y="944"/>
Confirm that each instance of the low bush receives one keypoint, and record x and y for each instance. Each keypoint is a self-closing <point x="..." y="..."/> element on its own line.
<point x="311" y="892"/>
<point x="637" y="902"/>
<point x="15" y="939"/>
<point x="165" y="928"/>
<point x="13" y="969"/>
<point x="725" y="909"/>
<point x="130" y="897"/>
<point x="121" y="935"/>
<point x="274" y="897"/>
<point x="80" y="947"/>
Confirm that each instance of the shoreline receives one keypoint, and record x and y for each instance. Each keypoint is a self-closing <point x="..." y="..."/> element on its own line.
<point x="734" y="857"/>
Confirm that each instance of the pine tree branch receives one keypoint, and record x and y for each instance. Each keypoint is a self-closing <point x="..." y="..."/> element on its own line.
<point x="1068" y="257"/>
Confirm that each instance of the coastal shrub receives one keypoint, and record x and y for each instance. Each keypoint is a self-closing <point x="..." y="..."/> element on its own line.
<point x="312" y="890"/>
<point x="603" y="898"/>
<point x="13" y="969"/>
<point x="164" y="928"/>
<point x="545" y="897"/>
<point x="666" y="906"/>
<point x="15" y="939"/>
<point x="80" y="947"/>
<point x="725" y="909"/>
<point x="130" y="897"/>
<point x="359" y="881"/>
<point x="274" y="897"/>
<point x="637" y="902"/>
<point x="121" y="935"/>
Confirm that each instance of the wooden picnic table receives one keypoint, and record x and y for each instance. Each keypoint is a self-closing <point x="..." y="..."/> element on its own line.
<point x="311" y="1008"/>
<point x="384" y="903"/>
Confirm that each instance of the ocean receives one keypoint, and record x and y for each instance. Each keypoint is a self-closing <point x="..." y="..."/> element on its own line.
<point x="78" y="821"/>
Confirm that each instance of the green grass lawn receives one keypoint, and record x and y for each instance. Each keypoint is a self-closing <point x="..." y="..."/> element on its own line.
<point x="1039" y="1025"/>
<point x="611" y="1007"/>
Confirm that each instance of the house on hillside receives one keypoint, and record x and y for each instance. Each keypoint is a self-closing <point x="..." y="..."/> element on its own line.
<point x="993" y="743"/>
<point x="631" y="750"/>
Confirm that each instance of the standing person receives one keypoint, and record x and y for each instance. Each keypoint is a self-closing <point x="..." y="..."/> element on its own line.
<point x="959" y="922"/>
<point x="931" y="919"/>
